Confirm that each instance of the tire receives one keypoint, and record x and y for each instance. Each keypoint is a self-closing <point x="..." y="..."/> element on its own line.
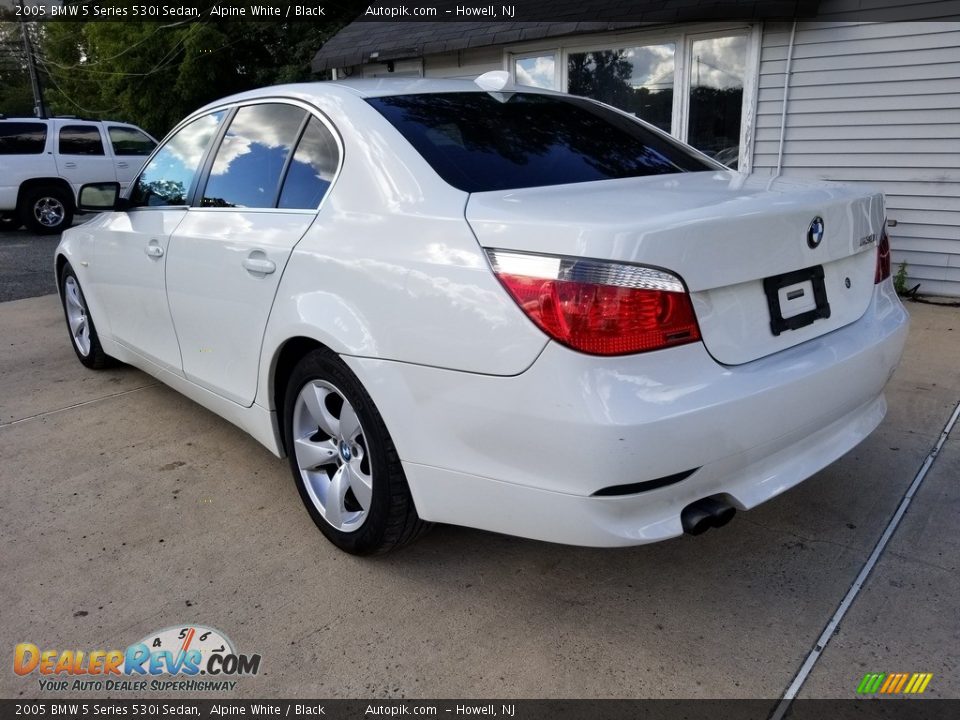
<point x="344" y="464"/>
<point x="10" y="222"/>
<point x="83" y="333"/>
<point x="47" y="210"/>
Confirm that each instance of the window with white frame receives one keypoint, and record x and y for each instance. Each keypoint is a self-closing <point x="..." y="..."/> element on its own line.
<point x="697" y="83"/>
<point x="538" y="70"/>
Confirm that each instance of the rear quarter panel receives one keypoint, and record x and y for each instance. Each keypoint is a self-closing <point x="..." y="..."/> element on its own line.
<point x="390" y="268"/>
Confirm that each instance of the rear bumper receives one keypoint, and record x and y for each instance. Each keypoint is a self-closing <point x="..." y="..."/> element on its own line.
<point x="523" y="455"/>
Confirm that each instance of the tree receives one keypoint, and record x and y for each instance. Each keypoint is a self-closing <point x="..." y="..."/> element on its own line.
<point x="603" y="74"/>
<point x="154" y="73"/>
<point x="16" y="97"/>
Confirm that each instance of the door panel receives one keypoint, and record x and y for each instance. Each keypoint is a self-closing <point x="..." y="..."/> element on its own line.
<point x="223" y="270"/>
<point x="131" y="147"/>
<point x="81" y="154"/>
<point x="132" y="248"/>
<point x="129" y="271"/>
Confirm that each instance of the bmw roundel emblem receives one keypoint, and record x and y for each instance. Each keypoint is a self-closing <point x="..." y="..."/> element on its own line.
<point x="815" y="233"/>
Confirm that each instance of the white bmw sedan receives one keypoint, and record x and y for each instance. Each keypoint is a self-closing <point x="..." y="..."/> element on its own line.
<point x="508" y="309"/>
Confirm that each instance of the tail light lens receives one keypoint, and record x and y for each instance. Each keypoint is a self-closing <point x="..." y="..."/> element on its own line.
<point x="597" y="307"/>
<point x="883" y="256"/>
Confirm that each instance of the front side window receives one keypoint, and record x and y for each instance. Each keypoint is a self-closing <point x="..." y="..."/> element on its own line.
<point x="480" y="141"/>
<point x="717" y="72"/>
<point x="168" y="177"/>
<point x="22" y="138"/>
<point x="312" y="168"/>
<point x="129" y="141"/>
<point x="249" y="162"/>
<point x="80" y="140"/>
<point x="638" y="80"/>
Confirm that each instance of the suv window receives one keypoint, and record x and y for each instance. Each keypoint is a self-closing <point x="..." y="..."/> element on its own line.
<point x="249" y="162"/>
<point x="80" y="140"/>
<point x="168" y="177"/>
<point x="128" y="141"/>
<point x="22" y="138"/>
<point x="477" y="141"/>
<point x="312" y="168"/>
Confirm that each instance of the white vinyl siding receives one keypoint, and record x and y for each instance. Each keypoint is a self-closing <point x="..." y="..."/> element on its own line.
<point x="464" y="64"/>
<point x="877" y="103"/>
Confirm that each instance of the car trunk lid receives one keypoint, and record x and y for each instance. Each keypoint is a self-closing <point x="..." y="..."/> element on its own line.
<point x="740" y="244"/>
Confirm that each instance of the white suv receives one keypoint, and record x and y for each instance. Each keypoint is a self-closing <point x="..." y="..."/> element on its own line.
<point x="44" y="163"/>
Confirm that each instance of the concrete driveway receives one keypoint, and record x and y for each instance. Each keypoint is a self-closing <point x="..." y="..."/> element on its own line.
<point x="127" y="508"/>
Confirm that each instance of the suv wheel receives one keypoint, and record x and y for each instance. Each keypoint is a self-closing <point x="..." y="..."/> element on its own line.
<point x="47" y="210"/>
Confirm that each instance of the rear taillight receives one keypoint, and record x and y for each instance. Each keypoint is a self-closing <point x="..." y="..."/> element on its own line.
<point x="883" y="256"/>
<point x="598" y="307"/>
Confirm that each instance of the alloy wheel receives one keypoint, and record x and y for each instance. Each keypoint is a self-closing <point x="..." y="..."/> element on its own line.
<point x="77" y="315"/>
<point x="331" y="451"/>
<point x="49" y="211"/>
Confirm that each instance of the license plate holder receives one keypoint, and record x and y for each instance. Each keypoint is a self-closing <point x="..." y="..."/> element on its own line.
<point x="795" y="287"/>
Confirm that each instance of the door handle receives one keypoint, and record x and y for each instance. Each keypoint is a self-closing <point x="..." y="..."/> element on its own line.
<point x="259" y="265"/>
<point x="153" y="251"/>
<point x="70" y="165"/>
<point x="122" y="165"/>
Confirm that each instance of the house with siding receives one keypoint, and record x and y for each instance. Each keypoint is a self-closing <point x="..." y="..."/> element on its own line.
<point x="861" y="91"/>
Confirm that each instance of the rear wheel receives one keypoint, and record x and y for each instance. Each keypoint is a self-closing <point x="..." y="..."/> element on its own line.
<point x="47" y="210"/>
<point x="83" y="333"/>
<point x="343" y="460"/>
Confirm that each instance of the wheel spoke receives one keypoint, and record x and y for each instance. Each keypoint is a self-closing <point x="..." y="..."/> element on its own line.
<point x="349" y="423"/>
<point x="315" y="398"/>
<point x="361" y="485"/>
<point x="73" y="298"/>
<point x="311" y="455"/>
<point x="336" y="494"/>
<point x="75" y="322"/>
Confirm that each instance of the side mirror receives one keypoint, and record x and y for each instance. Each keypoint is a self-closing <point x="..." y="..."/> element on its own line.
<point x="100" y="197"/>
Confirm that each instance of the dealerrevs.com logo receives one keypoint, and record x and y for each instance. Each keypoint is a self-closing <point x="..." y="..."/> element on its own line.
<point x="186" y="658"/>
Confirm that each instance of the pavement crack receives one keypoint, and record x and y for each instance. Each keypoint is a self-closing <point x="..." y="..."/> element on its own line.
<point x="76" y="405"/>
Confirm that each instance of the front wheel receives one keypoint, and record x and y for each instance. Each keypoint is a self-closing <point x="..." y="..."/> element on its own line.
<point x="343" y="460"/>
<point x="47" y="210"/>
<point x="83" y="333"/>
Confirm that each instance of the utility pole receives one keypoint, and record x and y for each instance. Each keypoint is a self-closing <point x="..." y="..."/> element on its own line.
<point x="39" y="109"/>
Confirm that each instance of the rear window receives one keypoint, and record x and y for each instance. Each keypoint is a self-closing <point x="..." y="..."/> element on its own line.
<point x="477" y="142"/>
<point x="129" y="141"/>
<point x="22" y="138"/>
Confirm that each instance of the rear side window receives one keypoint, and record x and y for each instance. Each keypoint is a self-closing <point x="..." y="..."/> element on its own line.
<point x="479" y="141"/>
<point x="249" y="162"/>
<point x="128" y="141"/>
<point x="80" y="140"/>
<point x="22" y="138"/>
<point x="312" y="168"/>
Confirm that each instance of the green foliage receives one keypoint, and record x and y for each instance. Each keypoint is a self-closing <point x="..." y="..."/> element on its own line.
<point x="154" y="73"/>
<point x="16" y="97"/>
<point x="900" y="279"/>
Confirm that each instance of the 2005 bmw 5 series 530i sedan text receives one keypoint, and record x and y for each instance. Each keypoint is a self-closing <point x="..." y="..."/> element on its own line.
<point x="492" y="306"/>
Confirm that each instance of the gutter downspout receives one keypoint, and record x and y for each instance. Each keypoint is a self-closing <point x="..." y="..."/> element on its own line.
<point x="786" y="94"/>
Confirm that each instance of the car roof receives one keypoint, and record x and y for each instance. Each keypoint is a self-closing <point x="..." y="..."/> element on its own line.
<point x="71" y="119"/>
<point x="367" y="88"/>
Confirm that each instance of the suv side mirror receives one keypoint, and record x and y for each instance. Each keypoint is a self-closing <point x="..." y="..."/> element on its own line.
<point x="100" y="197"/>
